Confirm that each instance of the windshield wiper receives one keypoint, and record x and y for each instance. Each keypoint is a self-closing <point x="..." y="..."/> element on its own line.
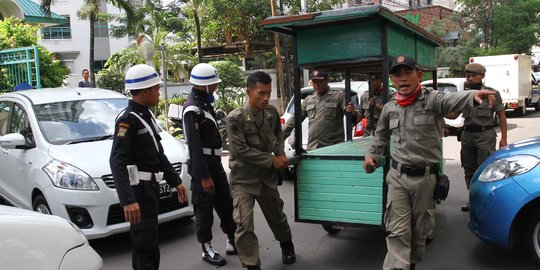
<point x="94" y="139"/>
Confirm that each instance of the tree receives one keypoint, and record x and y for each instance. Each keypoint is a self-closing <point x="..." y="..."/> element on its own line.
<point x="505" y="26"/>
<point x="16" y="34"/>
<point x="231" y="94"/>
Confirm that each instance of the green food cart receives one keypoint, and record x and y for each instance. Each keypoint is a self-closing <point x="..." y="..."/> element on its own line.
<point x="331" y="186"/>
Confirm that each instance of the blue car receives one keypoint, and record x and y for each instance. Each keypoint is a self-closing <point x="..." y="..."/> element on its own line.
<point x="505" y="197"/>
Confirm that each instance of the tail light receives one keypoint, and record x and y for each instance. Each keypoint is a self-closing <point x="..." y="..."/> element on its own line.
<point x="471" y="60"/>
<point x="282" y="121"/>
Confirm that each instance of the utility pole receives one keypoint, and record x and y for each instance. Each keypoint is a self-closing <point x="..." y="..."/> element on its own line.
<point x="279" y="62"/>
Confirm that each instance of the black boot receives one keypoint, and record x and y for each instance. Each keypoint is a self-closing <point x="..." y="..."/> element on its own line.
<point x="210" y="256"/>
<point x="287" y="252"/>
<point x="230" y="249"/>
<point x="254" y="267"/>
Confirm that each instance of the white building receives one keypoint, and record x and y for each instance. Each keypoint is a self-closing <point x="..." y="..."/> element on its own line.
<point x="71" y="41"/>
<point x="396" y="5"/>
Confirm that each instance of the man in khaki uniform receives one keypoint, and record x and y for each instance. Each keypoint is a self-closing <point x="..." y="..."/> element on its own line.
<point x="324" y="109"/>
<point x="256" y="156"/>
<point x="479" y="138"/>
<point x="413" y="121"/>
<point x="377" y="102"/>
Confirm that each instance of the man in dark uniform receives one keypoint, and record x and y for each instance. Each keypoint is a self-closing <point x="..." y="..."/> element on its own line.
<point x="138" y="164"/>
<point x="479" y="137"/>
<point x="210" y="187"/>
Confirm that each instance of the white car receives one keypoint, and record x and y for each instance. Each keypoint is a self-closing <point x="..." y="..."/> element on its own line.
<point x="357" y="88"/>
<point x="31" y="240"/>
<point x="55" y="147"/>
<point x="450" y="85"/>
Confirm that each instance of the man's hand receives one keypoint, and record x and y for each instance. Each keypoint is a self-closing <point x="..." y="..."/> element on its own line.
<point x="481" y="94"/>
<point x="503" y="143"/>
<point x="280" y="162"/>
<point x="208" y="185"/>
<point x="132" y="213"/>
<point x="350" y="107"/>
<point x="182" y="194"/>
<point x="372" y="101"/>
<point x="369" y="165"/>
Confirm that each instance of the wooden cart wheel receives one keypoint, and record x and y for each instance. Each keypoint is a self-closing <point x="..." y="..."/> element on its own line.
<point x="330" y="228"/>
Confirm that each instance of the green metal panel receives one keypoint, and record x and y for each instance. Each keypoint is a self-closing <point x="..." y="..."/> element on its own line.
<point x="338" y="190"/>
<point x="21" y="65"/>
<point x="426" y="54"/>
<point x="339" y="42"/>
<point x="400" y="41"/>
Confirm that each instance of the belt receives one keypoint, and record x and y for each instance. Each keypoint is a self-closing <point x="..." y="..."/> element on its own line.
<point x="471" y="128"/>
<point x="149" y="176"/>
<point x="413" y="170"/>
<point x="212" y="151"/>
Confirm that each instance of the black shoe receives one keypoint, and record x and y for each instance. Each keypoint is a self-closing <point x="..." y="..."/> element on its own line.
<point x="210" y="256"/>
<point x="465" y="208"/>
<point x="287" y="252"/>
<point x="255" y="267"/>
<point x="230" y="249"/>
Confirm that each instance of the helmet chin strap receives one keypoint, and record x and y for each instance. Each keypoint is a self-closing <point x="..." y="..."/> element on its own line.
<point x="207" y="90"/>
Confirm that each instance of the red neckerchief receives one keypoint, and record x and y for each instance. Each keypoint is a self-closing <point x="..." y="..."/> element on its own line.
<point x="406" y="101"/>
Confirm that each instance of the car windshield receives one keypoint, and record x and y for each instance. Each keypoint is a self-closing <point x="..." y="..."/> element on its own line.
<point x="79" y="120"/>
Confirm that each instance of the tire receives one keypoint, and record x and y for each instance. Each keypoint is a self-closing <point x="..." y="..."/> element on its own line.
<point x="330" y="228"/>
<point x="40" y="205"/>
<point x="521" y="110"/>
<point x="537" y="106"/>
<point x="533" y="236"/>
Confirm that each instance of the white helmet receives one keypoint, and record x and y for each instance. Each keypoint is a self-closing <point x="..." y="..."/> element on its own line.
<point x="204" y="74"/>
<point x="141" y="76"/>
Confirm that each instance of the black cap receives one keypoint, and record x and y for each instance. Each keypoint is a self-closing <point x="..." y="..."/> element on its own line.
<point x="403" y="60"/>
<point x="319" y="75"/>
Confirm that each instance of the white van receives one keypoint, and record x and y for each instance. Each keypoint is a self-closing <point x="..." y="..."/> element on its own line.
<point x="55" y="147"/>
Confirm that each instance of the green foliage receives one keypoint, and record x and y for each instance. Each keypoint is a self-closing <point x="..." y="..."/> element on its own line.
<point x="231" y="89"/>
<point x="112" y="77"/>
<point x="16" y="34"/>
<point x="454" y="57"/>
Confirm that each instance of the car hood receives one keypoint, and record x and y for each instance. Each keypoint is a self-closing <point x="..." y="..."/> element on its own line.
<point x="32" y="240"/>
<point x="529" y="146"/>
<point x="93" y="157"/>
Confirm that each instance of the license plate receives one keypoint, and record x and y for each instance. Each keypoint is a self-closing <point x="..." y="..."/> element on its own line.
<point x="164" y="190"/>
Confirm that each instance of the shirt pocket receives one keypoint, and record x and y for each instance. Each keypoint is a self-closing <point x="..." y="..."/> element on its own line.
<point x="424" y="125"/>
<point x="252" y="137"/>
<point x="330" y="110"/>
<point x="484" y="113"/>
<point x="145" y="146"/>
<point x="310" y="109"/>
<point x="393" y="125"/>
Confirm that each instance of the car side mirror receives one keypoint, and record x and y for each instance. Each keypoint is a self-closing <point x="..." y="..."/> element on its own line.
<point x="13" y="141"/>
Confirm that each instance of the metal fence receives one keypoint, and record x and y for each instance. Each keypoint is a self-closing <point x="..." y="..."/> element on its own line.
<point x="20" y="68"/>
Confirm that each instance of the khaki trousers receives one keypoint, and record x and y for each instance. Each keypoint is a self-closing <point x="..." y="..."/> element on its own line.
<point x="476" y="147"/>
<point x="271" y="206"/>
<point x="408" y="217"/>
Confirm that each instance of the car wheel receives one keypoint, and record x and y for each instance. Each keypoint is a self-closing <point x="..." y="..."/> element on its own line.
<point x="40" y="205"/>
<point x="533" y="237"/>
<point x="537" y="106"/>
<point x="331" y="229"/>
<point x="521" y="110"/>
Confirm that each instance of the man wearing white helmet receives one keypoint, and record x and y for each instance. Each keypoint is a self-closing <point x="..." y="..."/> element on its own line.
<point x="138" y="164"/>
<point x="210" y="187"/>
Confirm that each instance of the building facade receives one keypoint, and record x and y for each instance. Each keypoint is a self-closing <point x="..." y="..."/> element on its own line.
<point x="70" y="42"/>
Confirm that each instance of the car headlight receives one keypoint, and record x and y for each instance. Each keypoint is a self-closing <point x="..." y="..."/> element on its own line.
<point x="508" y="167"/>
<point x="64" y="175"/>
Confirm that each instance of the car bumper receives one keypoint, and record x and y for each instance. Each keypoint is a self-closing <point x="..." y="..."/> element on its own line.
<point x="103" y="209"/>
<point x="493" y="209"/>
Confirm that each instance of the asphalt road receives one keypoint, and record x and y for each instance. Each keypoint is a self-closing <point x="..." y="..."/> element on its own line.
<point x="454" y="247"/>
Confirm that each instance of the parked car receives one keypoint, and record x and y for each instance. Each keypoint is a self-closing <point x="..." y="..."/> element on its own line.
<point x="357" y="88"/>
<point x="55" y="147"/>
<point x="31" y="240"/>
<point x="505" y="197"/>
<point x="450" y="85"/>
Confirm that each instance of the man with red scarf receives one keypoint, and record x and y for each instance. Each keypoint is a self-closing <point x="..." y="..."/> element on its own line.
<point x="413" y="120"/>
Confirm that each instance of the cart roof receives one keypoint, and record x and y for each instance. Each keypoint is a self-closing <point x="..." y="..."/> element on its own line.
<point x="352" y="38"/>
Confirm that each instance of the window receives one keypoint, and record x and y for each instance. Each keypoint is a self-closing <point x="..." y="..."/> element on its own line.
<point x="430" y="2"/>
<point x="101" y="29"/>
<point x="5" y="108"/>
<point x="58" y="31"/>
<point x="99" y="65"/>
<point x="20" y="124"/>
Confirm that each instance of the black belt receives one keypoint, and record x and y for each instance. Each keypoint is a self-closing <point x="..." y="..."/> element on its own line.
<point x="471" y="128"/>
<point x="415" y="170"/>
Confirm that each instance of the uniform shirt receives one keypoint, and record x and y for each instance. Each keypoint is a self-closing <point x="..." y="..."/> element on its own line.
<point x="325" y="113"/>
<point x="253" y="145"/>
<point x="481" y="115"/>
<point x="133" y="145"/>
<point x="364" y="105"/>
<point x="201" y="132"/>
<point x="85" y="83"/>
<point x="416" y="130"/>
